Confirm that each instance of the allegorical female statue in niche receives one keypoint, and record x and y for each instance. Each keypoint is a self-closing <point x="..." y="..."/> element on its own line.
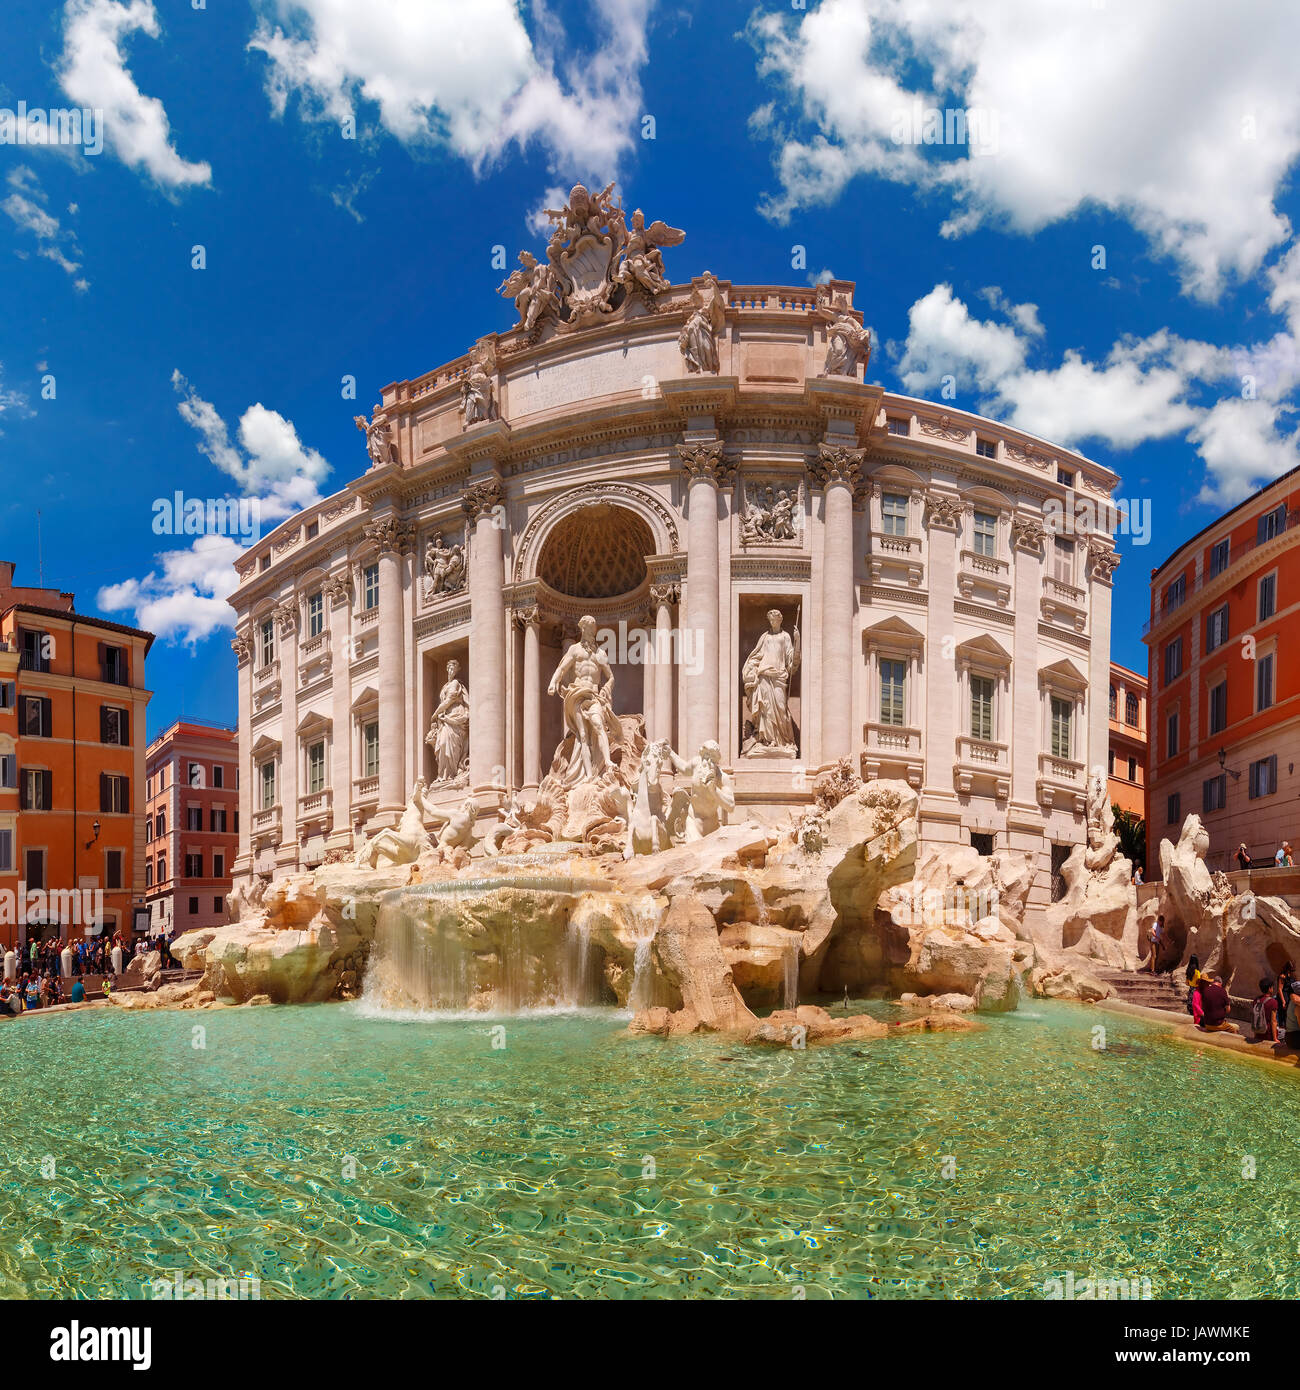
<point x="448" y="734"/>
<point x="766" y="676"/>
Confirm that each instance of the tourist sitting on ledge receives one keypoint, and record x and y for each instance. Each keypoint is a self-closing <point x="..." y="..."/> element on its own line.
<point x="1193" y="978"/>
<point x="1263" y="1014"/>
<point x="1288" y="993"/>
<point x="1214" y="1006"/>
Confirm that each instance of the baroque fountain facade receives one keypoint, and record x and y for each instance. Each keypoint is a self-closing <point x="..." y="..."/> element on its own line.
<point x="651" y="649"/>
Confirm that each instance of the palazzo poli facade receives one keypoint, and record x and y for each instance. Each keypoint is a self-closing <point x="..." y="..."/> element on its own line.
<point x="778" y="557"/>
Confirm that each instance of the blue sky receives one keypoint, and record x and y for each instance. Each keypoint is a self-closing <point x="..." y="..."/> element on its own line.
<point x="1163" y="131"/>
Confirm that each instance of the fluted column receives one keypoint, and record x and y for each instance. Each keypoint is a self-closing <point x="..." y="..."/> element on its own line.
<point x="391" y="537"/>
<point x="487" y="642"/>
<point x="337" y="594"/>
<point x="286" y="623"/>
<point x="706" y="469"/>
<point x="530" y="619"/>
<point x="243" y="649"/>
<point x="1102" y="562"/>
<point x="663" y="596"/>
<point x="837" y="469"/>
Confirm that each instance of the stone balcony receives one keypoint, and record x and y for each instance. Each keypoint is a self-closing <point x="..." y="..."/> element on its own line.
<point x="1062" y="782"/>
<point x="892" y="746"/>
<point x="896" y="560"/>
<point x="367" y="617"/>
<point x="365" y="789"/>
<point x="985" y="761"/>
<point x="313" y="657"/>
<point x="315" y="805"/>
<point x="984" y="577"/>
<point x="1064" y="603"/>
<point x="266" y="821"/>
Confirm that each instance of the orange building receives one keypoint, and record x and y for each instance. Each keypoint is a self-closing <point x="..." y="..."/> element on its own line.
<point x="1127" y="770"/>
<point x="72" y="712"/>
<point x="1225" y="681"/>
<point x="191" y="825"/>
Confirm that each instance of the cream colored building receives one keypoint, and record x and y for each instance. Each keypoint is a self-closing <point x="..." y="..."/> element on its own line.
<point x="946" y="638"/>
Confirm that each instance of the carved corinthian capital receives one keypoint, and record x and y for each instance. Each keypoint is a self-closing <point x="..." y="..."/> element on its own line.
<point x="944" y="511"/>
<point x="1028" y="533"/>
<point x="482" y="498"/>
<point x="389" y="534"/>
<point x="836" y="464"/>
<point x="1102" y="561"/>
<point x="705" y="460"/>
<point x="666" y="593"/>
<point x="286" y="617"/>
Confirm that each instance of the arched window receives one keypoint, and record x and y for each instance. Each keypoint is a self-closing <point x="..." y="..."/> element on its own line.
<point x="160" y="825"/>
<point x="1131" y="710"/>
<point x="1113" y="699"/>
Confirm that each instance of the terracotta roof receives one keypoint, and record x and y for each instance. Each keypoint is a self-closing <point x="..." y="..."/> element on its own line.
<point x="69" y="615"/>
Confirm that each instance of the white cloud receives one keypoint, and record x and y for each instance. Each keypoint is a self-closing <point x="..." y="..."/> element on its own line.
<point x="1159" y="387"/>
<point x="185" y="598"/>
<point x="1182" y="117"/>
<point x="24" y="210"/>
<point x="465" y="76"/>
<point x="94" y="74"/>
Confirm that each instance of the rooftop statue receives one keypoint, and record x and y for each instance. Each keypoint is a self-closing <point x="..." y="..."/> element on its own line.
<point x="379" y="440"/>
<point x="847" y="344"/>
<point x="698" y="339"/>
<point x="595" y="259"/>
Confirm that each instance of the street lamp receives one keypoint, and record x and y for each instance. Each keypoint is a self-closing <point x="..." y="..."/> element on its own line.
<point x="95" y="828"/>
<point x="1223" y="760"/>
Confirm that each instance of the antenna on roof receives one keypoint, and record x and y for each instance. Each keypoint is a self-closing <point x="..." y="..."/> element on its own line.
<point x="40" y="562"/>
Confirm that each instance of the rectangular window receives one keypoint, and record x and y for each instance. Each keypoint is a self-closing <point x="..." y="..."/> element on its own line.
<point x="1173" y="660"/>
<point x="219" y="904"/>
<point x="896" y="424"/>
<point x="1264" y="682"/>
<point x="148" y="874"/>
<point x="194" y="774"/>
<point x="8" y="694"/>
<point x="1271" y="524"/>
<point x="893" y="676"/>
<point x="986" y="448"/>
<point x="1061" y="713"/>
<point x="114" y="793"/>
<point x="370" y="587"/>
<point x="1219" y="707"/>
<point x="217" y="820"/>
<point x="1132" y="769"/>
<point x="981" y="707"/>
<point x="1176" y="592"/>
<point x="1063" y="560"/>
<point x="315" y="614"/>
<point x="194" y="818"/>
<point x="1171" y="735"/>
<point x="112" y="870"/>
<point x="6" y="851"/>
<point x="37" y="648"/>
<point x="114" y="726"/>
<point x="1267" y="596"/>
<point x="268" y="785"/>
<point x="218" y="866"/>
<point x="8" y="770"/>
<point x="986" y="533"/>
<point x="113" y="664"/>
<point x="193" y="866"/>
<point x="1219" y="558"/>
<point x="36" y="792"/>
<point x="893" y="513"/>
<point x="313" y="530"/>
<point x="36" y="717"/>
<point x="1263" y="777"/>
<point x="268" y="642"/>
<point x="162" y="868"/>
<point x="34" y="868"/>
<point x="218" y="775"/>
<point x="1110" y="762"/>
<point x="370" y="750"/>
<point x="1216" y="628"/>
<point x="1214" y="793"/>
<point x="1174" y="809"/>
<point x="194" y="907"/>
<point x="1065" y="477"/>
<point x="316" y="768"/>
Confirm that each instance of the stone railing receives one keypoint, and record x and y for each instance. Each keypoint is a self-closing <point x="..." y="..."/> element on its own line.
<point x="314" y="803"/>
<point x="265" y="820"/>
<point x="1061" y="770"/>
<point x="892" y="738"/>
<point x="365" y="788"/>
<point x="264" y="675"/>
<point x="981" y="752"/>
<point x="368" y="616"/>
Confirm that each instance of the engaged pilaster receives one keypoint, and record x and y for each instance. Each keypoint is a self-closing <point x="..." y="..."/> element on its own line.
<point x="391" y="538"/>
<point x="484" y="508"/>
<point x="706" y="470"/>
<point x="837" y="470"/>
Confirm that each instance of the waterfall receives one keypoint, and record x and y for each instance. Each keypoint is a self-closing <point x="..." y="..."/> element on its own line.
<point x="645" y="922"/>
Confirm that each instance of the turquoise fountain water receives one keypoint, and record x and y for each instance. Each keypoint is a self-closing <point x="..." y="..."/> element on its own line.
<point x="331" y="1154"/>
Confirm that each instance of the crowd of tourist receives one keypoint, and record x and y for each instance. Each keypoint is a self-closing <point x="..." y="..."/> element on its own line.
<point x="1275" y="1010"/>
<point x="1283" y="859"/>
<point x="39" y="981"/>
